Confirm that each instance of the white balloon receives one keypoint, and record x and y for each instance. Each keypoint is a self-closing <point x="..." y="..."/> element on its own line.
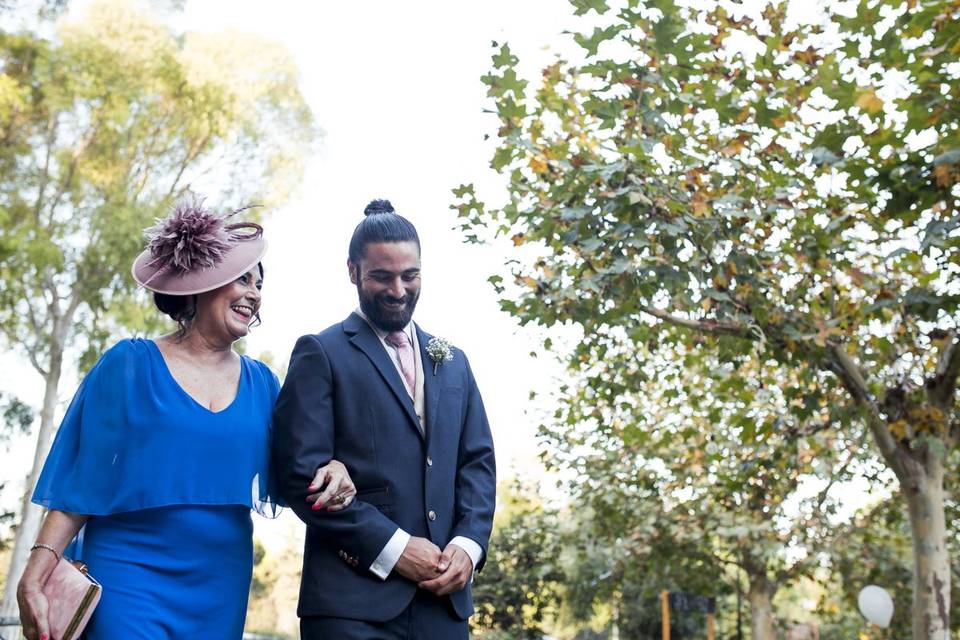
<point x="876" y="605"/>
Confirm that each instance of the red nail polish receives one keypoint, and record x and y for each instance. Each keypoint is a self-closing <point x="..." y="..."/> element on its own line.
<point x="317" y="506"/>
<point x="43" y="636"/>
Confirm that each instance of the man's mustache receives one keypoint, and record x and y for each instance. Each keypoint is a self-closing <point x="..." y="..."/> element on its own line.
<point x="407" y="299"/>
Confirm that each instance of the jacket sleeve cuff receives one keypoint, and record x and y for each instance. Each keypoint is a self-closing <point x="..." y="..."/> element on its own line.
<point x="390" y="554"/>
<point x="474" y="550"/>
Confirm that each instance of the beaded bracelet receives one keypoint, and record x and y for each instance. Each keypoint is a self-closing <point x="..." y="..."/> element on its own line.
<point x="40" y="545"/>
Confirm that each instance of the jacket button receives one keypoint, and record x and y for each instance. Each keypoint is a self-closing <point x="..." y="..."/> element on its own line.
<point x="429" y="461"/>
<point x="432" y="515"/>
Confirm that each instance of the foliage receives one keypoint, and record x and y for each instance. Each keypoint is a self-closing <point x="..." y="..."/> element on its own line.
<point x="17" y="419"/>
<point x="517" y="591"/>
<point x="681" y="185"/>
<point x="689" y="472"/>
<point x="102" y="129"/>
<point x="877" y="551"/>
<point x="17" y="416"/>
<point x="604" y="568"/>
<point x="750" y="187"/>
<point x="45" y="9"/>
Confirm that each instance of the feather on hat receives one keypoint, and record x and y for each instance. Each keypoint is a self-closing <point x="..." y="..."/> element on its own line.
<point x="195" y="250"/>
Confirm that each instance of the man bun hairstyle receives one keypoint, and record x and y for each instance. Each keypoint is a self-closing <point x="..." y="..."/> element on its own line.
<point x="381" y="223"/>
<point x="378" y="206"/>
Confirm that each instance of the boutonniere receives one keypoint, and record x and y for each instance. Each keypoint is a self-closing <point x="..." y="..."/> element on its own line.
<point x="439" y="351"/>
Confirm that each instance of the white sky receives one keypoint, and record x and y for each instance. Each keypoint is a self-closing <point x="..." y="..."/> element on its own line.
<point x="396" y="88"/>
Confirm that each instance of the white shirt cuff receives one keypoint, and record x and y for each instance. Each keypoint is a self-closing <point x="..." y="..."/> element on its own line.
<point x="473" y="550"/>
<point x="390" y="554"/>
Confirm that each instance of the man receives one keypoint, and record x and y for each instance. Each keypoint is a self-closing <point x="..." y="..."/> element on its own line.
<point x="412" y="431"/>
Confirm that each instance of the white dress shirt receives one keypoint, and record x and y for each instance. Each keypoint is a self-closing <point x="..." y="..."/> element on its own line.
<point x="390" y="554"/>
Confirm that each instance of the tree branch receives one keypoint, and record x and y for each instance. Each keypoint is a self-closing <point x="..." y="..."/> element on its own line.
<point x="703" y="326"/>
<point x="141" y="167"/>
<point x="13" y="339"/>
<point x="45" y="173"/>
<point x="834" y="477"/>
<point x="31" y="314"/>
<point x="853" y="380"/>
<point x="941" y="386"/>
<point x="802" y="567"/>
<point x="53" y="305"/>
<point x="192" y="154"/>
<point x="35" y="361"/>
<point x="71" y="170"/>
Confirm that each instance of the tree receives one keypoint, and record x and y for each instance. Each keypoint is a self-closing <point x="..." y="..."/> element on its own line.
<point x="877" y="551"/>
<point x="101" y="129"/>
<point x="518" y="590"/>
<point x="701" y="467"/>
<point x="615" y="570"/>
<point x="753" y="186"/>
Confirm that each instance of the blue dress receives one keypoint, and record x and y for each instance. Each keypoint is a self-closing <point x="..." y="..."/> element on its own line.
<point x="168" y="485"/>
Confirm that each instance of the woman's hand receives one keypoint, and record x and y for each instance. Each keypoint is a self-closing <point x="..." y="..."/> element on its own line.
<point x="331" y="489"/>
<point x="59" y="528"/>
<point x="33" y="611"/>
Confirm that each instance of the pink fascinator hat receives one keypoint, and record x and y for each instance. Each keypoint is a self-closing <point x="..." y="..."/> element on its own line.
<point x="195" y="250"/>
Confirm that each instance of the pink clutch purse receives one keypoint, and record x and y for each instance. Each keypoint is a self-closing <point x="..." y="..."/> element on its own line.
<point x="72" y="595"/>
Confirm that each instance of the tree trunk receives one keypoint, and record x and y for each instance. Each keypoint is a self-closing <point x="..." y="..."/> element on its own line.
<point x="761" y="608"/>
<point x="931" y="559"/>
<point x="32" y="515"/>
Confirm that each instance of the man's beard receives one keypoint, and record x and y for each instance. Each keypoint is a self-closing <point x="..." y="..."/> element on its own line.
<point x="387" y="319"/>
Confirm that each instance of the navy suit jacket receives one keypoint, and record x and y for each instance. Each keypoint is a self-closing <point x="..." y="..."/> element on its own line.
<point x="343" y="399"/>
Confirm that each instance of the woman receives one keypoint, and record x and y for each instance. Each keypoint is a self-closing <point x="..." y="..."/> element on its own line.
<point x="158" y="452"/>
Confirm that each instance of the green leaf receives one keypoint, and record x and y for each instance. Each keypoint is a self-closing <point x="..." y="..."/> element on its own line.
<point x="583" y="6"/>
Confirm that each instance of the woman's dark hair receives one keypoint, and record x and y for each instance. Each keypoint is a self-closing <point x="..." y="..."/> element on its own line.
<point x="181" y="308"/>
<point x="184" y="308"/>
<point x="381" y="224"/>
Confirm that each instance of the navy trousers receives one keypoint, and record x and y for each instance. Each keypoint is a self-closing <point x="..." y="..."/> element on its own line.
<point x="426" y="618"/>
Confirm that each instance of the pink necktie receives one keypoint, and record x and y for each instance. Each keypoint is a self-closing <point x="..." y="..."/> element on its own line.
<point x="401" y="342"/>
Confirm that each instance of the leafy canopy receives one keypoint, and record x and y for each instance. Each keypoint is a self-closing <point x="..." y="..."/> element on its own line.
<point x="765" y="187"/>
<point x="103" y="127"/>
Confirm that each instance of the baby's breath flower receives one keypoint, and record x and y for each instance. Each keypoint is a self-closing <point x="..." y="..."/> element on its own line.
<point x="439" y="351"/>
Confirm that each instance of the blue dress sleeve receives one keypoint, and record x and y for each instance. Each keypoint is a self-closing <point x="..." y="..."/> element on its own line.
<point x="90" y="435"/>
<point x="267" y="501"/>
<point x="133" y="439"/>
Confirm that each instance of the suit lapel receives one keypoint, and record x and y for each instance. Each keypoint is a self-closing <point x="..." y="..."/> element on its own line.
<point x="363" y="338"/>
<point x="431" y="382"/>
